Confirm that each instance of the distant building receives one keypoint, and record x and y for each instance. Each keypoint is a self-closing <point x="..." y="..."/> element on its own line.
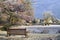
<point x="49" y="20"/>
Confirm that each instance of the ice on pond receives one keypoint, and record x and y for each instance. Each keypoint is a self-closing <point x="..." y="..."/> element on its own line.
<point x="47" y="29"/>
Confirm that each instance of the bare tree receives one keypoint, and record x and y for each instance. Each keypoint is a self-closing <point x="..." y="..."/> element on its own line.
<point x="22" y="11"/>
<point x="48" y="17"/>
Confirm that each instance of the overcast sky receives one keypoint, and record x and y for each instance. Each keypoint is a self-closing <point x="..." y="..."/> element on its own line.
<point x="41" y="6"/>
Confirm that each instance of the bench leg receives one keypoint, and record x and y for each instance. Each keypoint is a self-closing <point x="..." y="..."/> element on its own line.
<point x="26" y="35"/>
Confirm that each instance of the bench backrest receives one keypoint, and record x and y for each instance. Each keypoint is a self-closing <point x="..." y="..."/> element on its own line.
<point x="16" y="31"/>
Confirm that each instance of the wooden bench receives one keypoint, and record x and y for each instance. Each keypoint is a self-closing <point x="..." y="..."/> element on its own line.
<point x="17" y="32"/>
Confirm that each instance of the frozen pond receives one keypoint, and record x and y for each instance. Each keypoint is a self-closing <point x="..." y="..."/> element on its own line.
<point x="45" y="29"/>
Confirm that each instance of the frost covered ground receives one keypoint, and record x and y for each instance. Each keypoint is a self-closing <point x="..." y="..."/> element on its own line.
<point x="31" y="37"/>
